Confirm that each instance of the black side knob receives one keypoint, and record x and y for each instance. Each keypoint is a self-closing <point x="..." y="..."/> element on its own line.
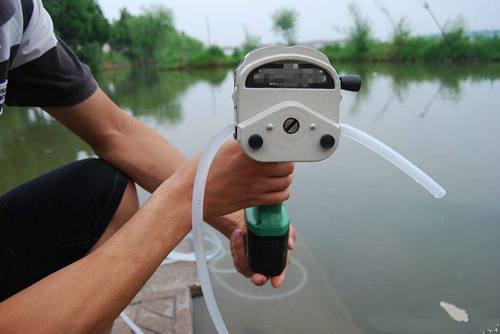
<point x="327" y="142"/>
<point x="350" y="82"/>
<point x="255" y="142"/>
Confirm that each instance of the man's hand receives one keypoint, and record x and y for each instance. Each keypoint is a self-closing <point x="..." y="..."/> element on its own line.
<point x="236" y="181"/>
<point x="238" y="251"/>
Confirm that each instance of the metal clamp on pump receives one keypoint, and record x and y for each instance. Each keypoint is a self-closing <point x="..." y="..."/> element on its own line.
<point x="287" y="103"/>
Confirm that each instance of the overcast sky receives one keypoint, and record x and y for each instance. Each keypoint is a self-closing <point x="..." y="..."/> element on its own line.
<point x="319" y="19"/>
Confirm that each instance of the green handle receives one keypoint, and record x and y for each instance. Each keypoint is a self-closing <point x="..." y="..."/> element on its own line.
<point x="268" y="220"/>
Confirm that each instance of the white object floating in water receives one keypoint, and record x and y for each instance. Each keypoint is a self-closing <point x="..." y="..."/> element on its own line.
<point x="454" y="312"/>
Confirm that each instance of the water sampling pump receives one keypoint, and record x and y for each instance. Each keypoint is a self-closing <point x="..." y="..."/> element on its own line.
<point x="286" y="103"/>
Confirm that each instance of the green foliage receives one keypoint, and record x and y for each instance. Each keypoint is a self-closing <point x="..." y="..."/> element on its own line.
<point x="401" y="32"/>
<point x="151" y="39"/>
<point x="81" y="24"/>
<point x="486" y="48"/>
<point x="284" y="23"/>
<point x="176" y="50"/>
<point x="251" y="42"/>
<point x="360" y="34"/>
<point x="114" y="59"/>
<point x="212" y="56"/>
<point x="120" y="31"/>
<point x="453" y="46"/>
<point x="140" y="37"/>
<point x="149" y="92"/>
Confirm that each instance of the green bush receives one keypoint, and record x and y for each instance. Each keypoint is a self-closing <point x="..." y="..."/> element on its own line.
<point x="151" y="38"/>
<point x="212" y="56"/>
<point x="360" y="38"/>
<point x="82" y="25"/>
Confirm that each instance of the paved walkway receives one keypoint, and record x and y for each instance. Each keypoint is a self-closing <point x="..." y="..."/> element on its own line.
<point x="164" y="305"/>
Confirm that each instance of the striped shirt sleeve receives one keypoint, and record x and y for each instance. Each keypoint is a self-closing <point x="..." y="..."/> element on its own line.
<point x="42" y="70"/>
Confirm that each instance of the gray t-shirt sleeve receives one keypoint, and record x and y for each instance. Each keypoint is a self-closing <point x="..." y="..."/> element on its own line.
<point x="56" y="79"/>
<point x="42" y="71"/>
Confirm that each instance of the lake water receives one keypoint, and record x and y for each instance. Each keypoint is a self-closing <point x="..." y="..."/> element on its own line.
<point x="375" y="252"/>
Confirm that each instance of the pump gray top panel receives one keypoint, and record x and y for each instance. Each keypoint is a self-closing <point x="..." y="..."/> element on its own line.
<point x="290" y="74"/>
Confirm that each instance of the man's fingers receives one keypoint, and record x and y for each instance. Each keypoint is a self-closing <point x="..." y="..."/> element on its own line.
<point x="277" y="281"/>
<point x="273" y="184"/>
<point x="292" y="238"/>
<point x="269" y="184"/>
<point x="240" y="262"/>
<point x="277" y="169"/>
<point x="258" y="279"/>
<point x="238" y="252"/>
<point x="274" y="197"/>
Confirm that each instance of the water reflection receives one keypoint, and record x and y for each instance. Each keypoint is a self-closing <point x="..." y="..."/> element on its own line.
<point x="31" y="142"/>
<point x="449" y="80"/>
<point x="379" y="252"/>
<point x="146" y="92"/>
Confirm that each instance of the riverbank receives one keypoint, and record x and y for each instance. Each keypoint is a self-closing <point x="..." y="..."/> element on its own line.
<point x="455" y="47"/>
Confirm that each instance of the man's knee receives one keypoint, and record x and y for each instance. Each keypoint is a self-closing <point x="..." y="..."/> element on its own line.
<point x="128" y="206"/>
<point x="129" y="203"/>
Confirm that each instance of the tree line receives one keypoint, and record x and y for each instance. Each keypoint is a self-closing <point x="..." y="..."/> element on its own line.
<point x="452" y="44"/>
<point x="151" y="38"/>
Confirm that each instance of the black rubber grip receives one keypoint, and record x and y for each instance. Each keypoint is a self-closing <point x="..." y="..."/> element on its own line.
<point x="267" y="255"/>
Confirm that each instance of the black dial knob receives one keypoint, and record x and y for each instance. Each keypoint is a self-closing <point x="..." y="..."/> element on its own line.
<point x="327" y="142"/>
<point x="255" y="142"/>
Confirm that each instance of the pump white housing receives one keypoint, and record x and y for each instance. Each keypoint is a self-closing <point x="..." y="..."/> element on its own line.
<point x="263" y="111"/>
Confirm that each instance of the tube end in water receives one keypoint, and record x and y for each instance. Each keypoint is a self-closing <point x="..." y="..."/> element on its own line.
<point x="439" y="194"/>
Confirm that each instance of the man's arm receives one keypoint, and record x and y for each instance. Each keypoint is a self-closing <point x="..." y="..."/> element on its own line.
<point x="91" y="292"/>
<point x="148" y="159"/>
<point x="235" y="180"/>
<point x="144" y="155"/>
<point x="86" y="296"/>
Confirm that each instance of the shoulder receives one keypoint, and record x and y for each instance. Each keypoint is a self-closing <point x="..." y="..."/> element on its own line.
<point x="11" y="27"/>
<point x="15" y="16"/>
<point x="19" y="10"/>
<point x="7" y="10"/>
<point x="38" y="33"/>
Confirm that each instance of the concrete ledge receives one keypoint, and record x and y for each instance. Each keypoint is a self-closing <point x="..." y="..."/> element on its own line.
<point x="164" y="305"/>
<point x="160" y="313"/>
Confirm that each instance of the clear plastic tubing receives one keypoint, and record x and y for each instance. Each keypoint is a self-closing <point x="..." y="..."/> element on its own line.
<point x="199" y="193"/>
<point x="394" y="157"/>
<point x="197" y="216"/>
<point x="135" y="329"/>
<point x="199" y="247"/>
